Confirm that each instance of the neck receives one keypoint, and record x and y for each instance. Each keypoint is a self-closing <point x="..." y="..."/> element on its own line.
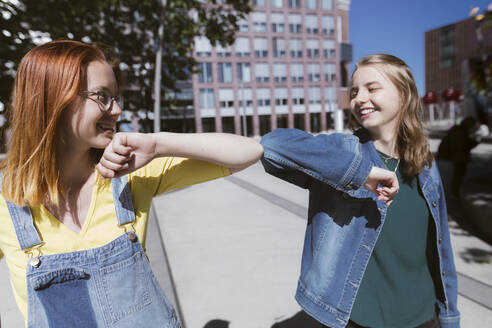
<point x="386" y="143"/>
<point x="76" y="168"/>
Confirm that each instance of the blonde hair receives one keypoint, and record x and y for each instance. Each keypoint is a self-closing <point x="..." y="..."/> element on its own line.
<point x="48" y="80"/>
<point x="411" y="143"/>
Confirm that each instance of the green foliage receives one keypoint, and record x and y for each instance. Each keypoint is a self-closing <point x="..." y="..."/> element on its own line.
<point x="129" y="27"/>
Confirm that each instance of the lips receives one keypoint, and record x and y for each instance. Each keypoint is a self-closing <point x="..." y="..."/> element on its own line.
<point x="365" y="112"/>
<point x="109" y="127"/>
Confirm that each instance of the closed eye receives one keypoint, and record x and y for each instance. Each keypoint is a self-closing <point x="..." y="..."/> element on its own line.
<point x="353" y="93"/>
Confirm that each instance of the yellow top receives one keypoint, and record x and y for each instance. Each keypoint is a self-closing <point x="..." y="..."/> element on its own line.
<point x="101" y="226"/>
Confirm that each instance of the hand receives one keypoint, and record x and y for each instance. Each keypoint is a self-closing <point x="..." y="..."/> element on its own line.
<point x="126" y="153"/>
<point x="387" y="180"/>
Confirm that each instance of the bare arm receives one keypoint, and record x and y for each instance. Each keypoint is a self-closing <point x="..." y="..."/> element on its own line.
<point x="130" y="151"/>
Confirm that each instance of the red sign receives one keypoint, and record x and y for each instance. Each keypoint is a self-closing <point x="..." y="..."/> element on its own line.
<point x="451" y="94"/>
<point x="430" y="98"/>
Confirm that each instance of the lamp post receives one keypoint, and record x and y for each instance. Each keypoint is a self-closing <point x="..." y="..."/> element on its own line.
<point x="430" y="99"/>
<point x="451" y="95"/>
<point x="157" y="76"/>
<point x="243" y="110"/>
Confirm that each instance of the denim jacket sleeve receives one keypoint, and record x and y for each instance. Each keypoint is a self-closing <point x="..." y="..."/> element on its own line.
<point x="297" y="157"/>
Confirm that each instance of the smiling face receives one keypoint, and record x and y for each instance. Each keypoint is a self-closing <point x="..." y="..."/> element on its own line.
<point x="85" y="125"/>
<point x="375" y="101"/>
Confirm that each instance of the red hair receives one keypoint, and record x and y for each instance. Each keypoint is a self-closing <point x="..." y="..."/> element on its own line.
<point x="48" y="80"/>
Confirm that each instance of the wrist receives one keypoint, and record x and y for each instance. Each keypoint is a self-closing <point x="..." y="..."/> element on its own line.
<point x="161" y="148"/>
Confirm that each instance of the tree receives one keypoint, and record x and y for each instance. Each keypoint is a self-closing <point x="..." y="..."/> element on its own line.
<point x="129" y="27"/>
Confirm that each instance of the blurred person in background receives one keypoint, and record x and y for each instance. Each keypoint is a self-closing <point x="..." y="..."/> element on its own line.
<point x="454" y="151"/>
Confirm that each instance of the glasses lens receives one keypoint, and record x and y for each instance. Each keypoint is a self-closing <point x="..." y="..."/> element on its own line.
<point x="104" y="99"/>
<point x="119" y="101"/>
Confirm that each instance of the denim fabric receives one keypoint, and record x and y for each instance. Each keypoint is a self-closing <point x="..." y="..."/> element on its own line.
<point x="108" y="286"/>
<point x="345" y="219"/>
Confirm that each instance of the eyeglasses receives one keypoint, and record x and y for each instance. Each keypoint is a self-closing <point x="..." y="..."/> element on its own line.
<point x="103" y="99"/>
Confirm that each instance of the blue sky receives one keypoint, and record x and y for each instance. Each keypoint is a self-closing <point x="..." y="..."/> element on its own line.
<point x="397" y="27"/>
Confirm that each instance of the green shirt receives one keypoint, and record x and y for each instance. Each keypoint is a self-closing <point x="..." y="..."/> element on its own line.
<point x="397" y="288"/>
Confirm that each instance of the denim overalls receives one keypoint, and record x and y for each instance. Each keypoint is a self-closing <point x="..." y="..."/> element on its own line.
<point x="108" y="286"/>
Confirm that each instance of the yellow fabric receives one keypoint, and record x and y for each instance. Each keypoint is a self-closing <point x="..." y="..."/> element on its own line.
<point x="100" y="227"/>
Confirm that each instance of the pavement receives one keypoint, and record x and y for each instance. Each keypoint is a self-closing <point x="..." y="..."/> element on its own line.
<point x="227" y="252"/>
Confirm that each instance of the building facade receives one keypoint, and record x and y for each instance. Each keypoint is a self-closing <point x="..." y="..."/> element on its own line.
<point x="450" y="51"/>
<point x="287" y="68"/>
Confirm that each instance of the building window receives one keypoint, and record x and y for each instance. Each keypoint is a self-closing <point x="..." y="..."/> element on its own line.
<point x="295" y="4"/>
<point x="277" y="3"/>
<point x="263" y="97"/>
<point x="295" y="23"/>
<point x="242" y="47"/>
<point x="311" y="4"/>
<point x="277" y="22"/>
<point x="311" y="24"/>
<point x="259" y="3"/>
<point x="297" y="96"/>
<point x="314" y="95"/>
<point x="243" y="25"/>
<point x="278" y="47"/>
<point x="447" y="50"/>
<point x="329" y="48"/>
<point x="225" y="72"/>
<point x="330" y="71"/>
<point x="261" y="47"/>
<point x="328" y="25"/>
<point x="295" y="48"/>
<point x="259" y="22"/>
<point x="207" y="98"/>
<point x="313" y="72"/>
<point x="327" y="4"/>
<point x="280" y="72"/>
<point x="297" y="72"/>
<point x="330" y="95"/>
<point x="261" y="72"/>
<point x="226" y="98"/>
<point x="245" y="97"/>
<point x="203" y="47"/>
<point x="280" y="96"/>
<point x="223" y="51"/>
<point x="205" y="73"/>
<point x="244" y="72"/>
<point x="312" y="46"/>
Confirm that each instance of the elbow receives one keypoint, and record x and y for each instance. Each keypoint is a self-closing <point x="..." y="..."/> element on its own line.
<point x="254" y="155"/>
<point x="258" y="151"/>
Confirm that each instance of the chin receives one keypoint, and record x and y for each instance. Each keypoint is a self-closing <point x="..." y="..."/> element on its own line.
<point x="101" y="143"/>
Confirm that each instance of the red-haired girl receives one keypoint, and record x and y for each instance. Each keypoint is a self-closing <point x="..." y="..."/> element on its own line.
<point x="73" y="240"/>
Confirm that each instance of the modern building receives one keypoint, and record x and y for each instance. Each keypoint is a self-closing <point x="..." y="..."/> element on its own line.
<point x="287" y="68"/>
<point x="452" y="50"/>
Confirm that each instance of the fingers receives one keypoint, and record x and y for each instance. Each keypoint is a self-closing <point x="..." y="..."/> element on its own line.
<point x="116" y="158"/>
<point x="119" y="144"/>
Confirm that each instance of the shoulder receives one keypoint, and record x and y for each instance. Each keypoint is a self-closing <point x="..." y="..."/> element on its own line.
<point x="156" y="167"/>
<point x="7" y="231"/>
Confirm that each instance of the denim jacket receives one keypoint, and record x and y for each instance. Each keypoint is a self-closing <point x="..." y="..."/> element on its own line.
<point x="345" y="219"/>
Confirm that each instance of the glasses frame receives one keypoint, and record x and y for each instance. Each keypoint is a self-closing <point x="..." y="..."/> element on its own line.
<point x="102" y="107"/>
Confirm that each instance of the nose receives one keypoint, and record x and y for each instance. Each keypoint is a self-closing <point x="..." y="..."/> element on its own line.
<point x="116" y="110"/>
<point x="362" y="96"/>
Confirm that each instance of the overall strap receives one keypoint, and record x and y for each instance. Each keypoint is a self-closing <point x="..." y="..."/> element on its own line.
<point x="21" y="217"/>
<point x="122" y="200"/>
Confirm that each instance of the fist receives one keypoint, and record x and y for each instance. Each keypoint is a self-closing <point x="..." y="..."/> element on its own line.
<point x="126" y="153"/>
<point x="388" y="181"/>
